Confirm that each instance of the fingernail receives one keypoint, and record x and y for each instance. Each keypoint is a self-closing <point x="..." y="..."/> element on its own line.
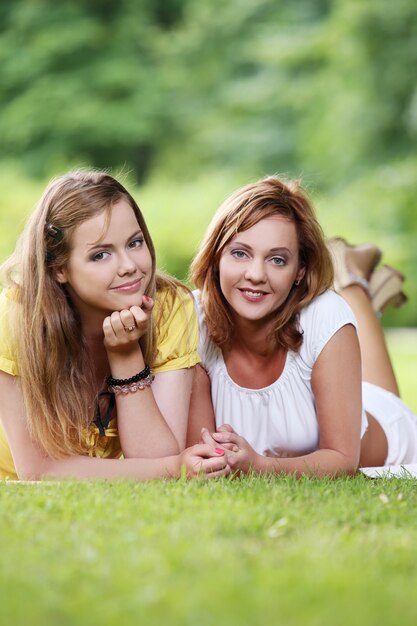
<point x="146" y="298"/>
<point x="218" y="450"/>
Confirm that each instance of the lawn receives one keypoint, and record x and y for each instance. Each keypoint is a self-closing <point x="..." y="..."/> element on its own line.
<point x="246" y="552"/>
<point x="253" y="551"/>
<point x="402" y="344"/>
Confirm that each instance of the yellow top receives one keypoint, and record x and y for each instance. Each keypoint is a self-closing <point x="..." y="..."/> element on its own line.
<point x="177" y="340"/>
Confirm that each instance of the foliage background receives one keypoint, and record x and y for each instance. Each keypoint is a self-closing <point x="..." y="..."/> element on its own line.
<point x="190" y="99"/>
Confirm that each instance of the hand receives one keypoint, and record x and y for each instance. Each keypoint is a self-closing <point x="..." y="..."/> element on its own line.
<point x="202" y="460"/>
<point x="240" y="454"/>
<point x="123" y="329"/>
<point x="206" y="437"/>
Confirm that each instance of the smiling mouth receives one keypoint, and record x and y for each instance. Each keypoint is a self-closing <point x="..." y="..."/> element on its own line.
<point x="131" y="286"/>
<point x="252" y="293"/>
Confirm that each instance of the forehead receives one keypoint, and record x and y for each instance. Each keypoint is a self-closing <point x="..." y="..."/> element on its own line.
<point x="116" y="222"/>
<point x="276" y="230"/>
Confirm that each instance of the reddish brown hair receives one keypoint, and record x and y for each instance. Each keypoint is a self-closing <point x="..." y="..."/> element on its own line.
<point x="265" y="198"/>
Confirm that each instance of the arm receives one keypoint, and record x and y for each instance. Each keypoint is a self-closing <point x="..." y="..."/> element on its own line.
<point x="172" y="392"/>
<point x="201" y="408"/>
<point x="336" y="383"/>
<point x="143" y="430"/>
<point x="32" y="464"/>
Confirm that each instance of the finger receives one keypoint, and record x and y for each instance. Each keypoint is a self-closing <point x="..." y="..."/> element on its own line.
<point x="116" y="323"/>
<point x="206" y="450"/>
<point x="232" y="447"/>
<point x="223" y="472"/>
<point x="225" y="428"/>
<point x="226" y="438"/>
<point x="140" y="316"/>
<point x="108" y="329"/>
<point x="232" y="459"/>
<point x="207" y="438"/>
<point x="213" y="465"/>
<point x="147" y="304"/>
<point x="127" y="319"/>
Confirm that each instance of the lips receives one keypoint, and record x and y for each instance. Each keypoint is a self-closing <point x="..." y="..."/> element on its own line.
<point x="253" y="295"/>
<point x="129" y="287"/>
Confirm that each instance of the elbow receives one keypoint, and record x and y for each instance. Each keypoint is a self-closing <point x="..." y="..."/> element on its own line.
<point x="28" y="475"/>
<point x="354" y="461"/>
<point x="32" y="472"/>
<point x="349" y="465"/>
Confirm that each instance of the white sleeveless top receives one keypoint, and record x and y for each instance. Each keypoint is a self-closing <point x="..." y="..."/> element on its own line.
<point x="278" y="420"/>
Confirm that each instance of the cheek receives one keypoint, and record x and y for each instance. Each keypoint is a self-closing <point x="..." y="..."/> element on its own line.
<point x="145" y="264"/>
<point x="228" y="276"/>
<point x="223" y="273"/>
<point x="144" y="259"/>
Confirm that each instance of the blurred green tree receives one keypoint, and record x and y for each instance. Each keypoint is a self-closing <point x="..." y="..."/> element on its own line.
<point x="323" y="89"/>
<point x="81" y="81"/>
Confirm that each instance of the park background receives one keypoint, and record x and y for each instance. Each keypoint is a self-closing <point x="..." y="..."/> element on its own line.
<point x="186" y="100"/>
<point x="190" y="99"/>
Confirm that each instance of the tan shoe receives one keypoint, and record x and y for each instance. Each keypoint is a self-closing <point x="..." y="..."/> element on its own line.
<point x="385" y="288"/>
<point x="353" y="265"/>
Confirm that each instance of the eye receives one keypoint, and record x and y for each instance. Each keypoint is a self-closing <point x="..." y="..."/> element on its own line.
<point x="99" y="256"/>
<point x="239" y="254"/>
<point x="278" y="260"/>
<point x="136" y="243"/>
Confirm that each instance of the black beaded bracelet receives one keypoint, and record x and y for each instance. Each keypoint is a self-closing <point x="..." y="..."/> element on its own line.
<point x="128" y="381"/>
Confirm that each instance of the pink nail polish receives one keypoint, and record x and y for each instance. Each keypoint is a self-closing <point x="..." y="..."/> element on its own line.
<point x="218" y="450"/>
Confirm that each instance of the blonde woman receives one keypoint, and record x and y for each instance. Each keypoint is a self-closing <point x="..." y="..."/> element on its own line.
<point x="281" y="348"/>
<point x="97" y="350"/>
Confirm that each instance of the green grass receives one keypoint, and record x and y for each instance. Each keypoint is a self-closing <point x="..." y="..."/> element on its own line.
<point x="250" y="552"/>
<point x="256" y="551"/>
<point x="245" y="552"/>
<point x="402" y="344"/>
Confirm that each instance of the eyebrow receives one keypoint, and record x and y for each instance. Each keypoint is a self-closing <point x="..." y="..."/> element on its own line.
<point x="102" y="244"/>
<point x="245" y="245"/>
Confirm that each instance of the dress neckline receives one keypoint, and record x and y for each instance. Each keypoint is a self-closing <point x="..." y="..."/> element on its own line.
<point x="289" y="359"/>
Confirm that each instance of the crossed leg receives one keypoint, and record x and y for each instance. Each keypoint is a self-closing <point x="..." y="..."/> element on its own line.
<point x="376" y="363"/>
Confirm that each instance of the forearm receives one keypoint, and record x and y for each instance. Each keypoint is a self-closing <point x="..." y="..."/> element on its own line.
<point x="80" y="467"/>
<point x="201" y="413"/>
<point x="142" y="428"/>
<point x="323" y="462"/>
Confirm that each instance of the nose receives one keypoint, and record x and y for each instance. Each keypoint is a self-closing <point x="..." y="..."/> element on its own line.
<point x="126" y="264"/>
<point x="255" y="271"/>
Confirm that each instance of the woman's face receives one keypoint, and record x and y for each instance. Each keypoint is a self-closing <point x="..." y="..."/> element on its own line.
<point x="112" y="274"/>
<point x="259" y="267"/>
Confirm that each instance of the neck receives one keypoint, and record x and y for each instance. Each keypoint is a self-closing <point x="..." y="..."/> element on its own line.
<point x="254" y="337"/>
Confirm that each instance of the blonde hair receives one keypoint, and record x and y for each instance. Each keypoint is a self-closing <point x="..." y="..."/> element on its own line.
<point x="55" y="367"/>
<point x="243" y="209"/>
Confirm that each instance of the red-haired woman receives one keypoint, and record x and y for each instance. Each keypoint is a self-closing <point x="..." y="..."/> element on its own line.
<point x="281" y="348"/>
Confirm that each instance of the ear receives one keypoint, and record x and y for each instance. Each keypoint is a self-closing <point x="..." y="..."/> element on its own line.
<point x="60" y="276"/>
<point x="301" y="273"/>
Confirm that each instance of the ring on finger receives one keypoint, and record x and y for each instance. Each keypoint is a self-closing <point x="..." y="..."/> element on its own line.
<point x="129" y="329"/>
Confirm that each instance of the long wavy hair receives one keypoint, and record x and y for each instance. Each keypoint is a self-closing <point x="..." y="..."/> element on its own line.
<point x="55" y="368"/>
<point x="265" y="198"/>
